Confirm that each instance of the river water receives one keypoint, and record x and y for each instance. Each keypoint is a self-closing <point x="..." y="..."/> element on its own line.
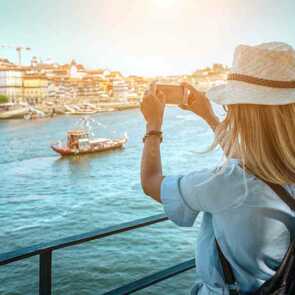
<point x="44" y="197"/>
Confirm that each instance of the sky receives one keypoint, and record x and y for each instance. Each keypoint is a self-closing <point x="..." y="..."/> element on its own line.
<point x="142" y="37"/>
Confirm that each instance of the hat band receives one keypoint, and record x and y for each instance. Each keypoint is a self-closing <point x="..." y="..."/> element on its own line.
<point x="261" y="82"/>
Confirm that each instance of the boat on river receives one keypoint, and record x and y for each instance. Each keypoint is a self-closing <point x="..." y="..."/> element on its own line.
<point x="13" y="111"/>
<point x="79" y="143"/>
<point x="34" y="114"/>
<point x="86" y="109"/>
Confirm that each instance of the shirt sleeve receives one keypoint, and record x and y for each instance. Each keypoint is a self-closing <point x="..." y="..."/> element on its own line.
<point x="206" y="190"/>
<point x="174" y="203"/>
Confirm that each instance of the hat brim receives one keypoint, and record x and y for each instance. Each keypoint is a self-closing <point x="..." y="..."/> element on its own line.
<point x="237" y="92"/>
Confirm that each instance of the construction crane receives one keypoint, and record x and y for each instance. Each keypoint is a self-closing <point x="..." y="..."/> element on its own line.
<point x="18" y="50"/>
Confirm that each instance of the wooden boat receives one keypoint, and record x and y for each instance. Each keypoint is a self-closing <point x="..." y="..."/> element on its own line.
<point x="79" y="143"/>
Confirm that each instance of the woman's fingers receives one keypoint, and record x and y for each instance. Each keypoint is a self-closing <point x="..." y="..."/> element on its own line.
<point x="189" y="93"/>
<point x="162" y="97"/>
<point x="147" y="98"/>
<point x="184" y="107"/>
<point x="151" y="100"/>
<point x="188" y="86"/>
<point x="186" y="95"/>
<point x="153" y="89"/>
<point x="155" y="94"/>
<point x="141" y="106"/>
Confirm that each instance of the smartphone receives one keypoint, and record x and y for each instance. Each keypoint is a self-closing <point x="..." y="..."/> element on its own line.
<point x="174" y="93"/>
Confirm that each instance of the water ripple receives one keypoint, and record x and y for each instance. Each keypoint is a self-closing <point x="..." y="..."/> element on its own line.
<point x="43" y="197"/>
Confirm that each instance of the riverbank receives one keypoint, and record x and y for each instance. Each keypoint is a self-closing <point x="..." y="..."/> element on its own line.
<point x="87" y="108"/>
<point x="50" y="110"/>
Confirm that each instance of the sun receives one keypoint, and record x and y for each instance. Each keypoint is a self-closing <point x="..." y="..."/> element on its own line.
<point x="165" y="3"/>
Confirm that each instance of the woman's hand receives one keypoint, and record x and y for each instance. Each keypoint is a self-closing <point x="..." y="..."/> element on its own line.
<point x="199" y="104"/>
<point x="152" y="107"/>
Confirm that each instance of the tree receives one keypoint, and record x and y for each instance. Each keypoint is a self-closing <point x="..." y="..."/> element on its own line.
<point x="3" y="98"/>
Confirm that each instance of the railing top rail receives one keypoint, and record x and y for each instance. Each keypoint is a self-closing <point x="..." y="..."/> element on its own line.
<point x="153" y="278"/>
<point x="19" y="254"/>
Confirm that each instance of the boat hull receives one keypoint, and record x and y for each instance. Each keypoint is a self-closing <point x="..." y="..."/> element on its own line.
<point x="65" y="151"/>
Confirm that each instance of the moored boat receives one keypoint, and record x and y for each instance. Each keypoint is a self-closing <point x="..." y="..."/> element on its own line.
<point x="34" y="114"/>
<point x="86" y="109"/>
<point x="78" y="143"/>
<point x="13" y="111"/>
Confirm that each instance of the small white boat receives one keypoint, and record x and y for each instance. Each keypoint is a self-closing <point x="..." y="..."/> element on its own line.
<point x="34" y="114"/>
<point x="13" y="111"/>
<point x="79" y="110"/>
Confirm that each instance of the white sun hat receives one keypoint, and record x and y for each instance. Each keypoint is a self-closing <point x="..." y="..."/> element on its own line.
<point x="262" y="74"/>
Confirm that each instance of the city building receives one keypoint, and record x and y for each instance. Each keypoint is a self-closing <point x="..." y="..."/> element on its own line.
<point x="72" y="83"/>
<point x="120" y="90"/>
<point x="62" y="90"/>
<point x="75" y="70"/>
<point x="5" y="63"/>
<point x="35" y="88"/>
<point x="11" y="83"/>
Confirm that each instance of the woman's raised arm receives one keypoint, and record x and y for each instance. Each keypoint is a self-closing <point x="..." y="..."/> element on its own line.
<point x="152" y="108"/>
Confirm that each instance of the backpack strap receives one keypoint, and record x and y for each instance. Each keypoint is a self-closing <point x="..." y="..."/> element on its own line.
<point x="228" y="274"/>
<point x="229" y="277"/>
<point x="282" y="193"/>
<point x="278" y="189"/>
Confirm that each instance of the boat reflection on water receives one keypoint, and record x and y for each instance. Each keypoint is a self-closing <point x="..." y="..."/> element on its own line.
<point x="77" y="167"/>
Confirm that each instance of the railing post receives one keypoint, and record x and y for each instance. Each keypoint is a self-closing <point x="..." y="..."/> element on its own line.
<point x="45" y="263"/>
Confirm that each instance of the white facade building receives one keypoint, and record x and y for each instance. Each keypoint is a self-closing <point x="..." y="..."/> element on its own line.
<point x="120" y="90"/>
<point x="60" y="92"/>
<point x="11" y="84"/>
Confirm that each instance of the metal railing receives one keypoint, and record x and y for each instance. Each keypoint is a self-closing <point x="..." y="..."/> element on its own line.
<point x="45" y="250"/>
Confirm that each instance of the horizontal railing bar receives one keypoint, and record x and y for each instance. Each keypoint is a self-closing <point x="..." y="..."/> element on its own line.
<point x="38" y="249"/>
<point x="153" y="278"/>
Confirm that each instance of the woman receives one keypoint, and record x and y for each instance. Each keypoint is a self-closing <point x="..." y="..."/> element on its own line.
<point x="251" y="224"/>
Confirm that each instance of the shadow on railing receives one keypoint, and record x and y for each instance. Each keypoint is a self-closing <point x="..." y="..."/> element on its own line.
<point x="45" y="250"/>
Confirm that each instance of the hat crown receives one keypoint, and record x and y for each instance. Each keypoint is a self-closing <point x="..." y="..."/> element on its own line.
<point x="270" y="61"/>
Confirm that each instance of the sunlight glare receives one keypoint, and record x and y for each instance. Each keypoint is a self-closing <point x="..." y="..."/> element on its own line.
<point x="165" y="3"/>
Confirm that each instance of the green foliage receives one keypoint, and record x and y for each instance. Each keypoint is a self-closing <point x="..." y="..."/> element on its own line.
<point x="3" y="98"/>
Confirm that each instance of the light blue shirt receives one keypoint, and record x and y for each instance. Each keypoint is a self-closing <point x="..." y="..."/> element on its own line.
<point x="250" y="222"/>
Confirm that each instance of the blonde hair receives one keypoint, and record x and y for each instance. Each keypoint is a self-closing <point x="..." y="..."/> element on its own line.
<point x="263" y="138"/>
